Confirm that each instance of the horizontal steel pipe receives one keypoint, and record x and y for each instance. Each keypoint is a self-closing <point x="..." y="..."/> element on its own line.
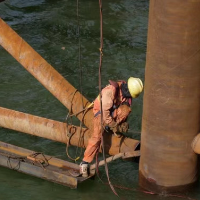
<point x="44" y="73"/>
<point x="57" y="131"/>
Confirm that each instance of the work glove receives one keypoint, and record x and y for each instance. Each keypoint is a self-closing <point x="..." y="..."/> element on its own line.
<point x="120" y="128"/>
<point x="123" y="127"/>
<point x="117" y="129"/>
<point x="121" y="113"/>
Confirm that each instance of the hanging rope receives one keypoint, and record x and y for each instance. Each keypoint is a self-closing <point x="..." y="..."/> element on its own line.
<point x="69" y="130"/>
<point x="100" y="66"/>
<point x="84" y="110"/>
<point x="80" y="81"/>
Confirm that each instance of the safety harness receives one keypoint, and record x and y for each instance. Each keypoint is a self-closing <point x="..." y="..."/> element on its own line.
<point x="127" y="101"/>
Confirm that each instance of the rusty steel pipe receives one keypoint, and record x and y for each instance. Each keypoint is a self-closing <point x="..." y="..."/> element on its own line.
<point x="57" y="131"/>
<point x="38" y="126"/>
<point x="171" y="112"/>
<point x="44" y="73"/>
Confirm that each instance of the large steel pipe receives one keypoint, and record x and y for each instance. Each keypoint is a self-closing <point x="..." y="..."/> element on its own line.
<point x="57" y="131"/>
<point x="171" y="112"/>
<point x="44" y="72"/>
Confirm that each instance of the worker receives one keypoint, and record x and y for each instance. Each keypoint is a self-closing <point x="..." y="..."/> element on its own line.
<point x="116" y="100"/>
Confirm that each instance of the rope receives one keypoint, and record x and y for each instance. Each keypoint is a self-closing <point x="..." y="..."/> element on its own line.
<point x="80" y="79"/>
<point x="69" y="114"/>
<point x="43" y="162"/>
<point x="84" y="110"/>
<point x="100" y="66"/>
<point x="17" y="167"/>
<point x="70" y="110"/>
<point x="79" y="50"/>
<point x="69" y="134"/>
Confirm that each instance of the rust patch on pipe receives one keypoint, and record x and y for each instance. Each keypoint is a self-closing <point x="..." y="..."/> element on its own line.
<point x="152" y="186"/>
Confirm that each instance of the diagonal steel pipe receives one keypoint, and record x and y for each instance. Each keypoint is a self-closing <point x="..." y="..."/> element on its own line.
<point x="44" y="73"/>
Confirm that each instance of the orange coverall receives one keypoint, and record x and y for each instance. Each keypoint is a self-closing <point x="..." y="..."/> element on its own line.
<point x="110" y="96"/>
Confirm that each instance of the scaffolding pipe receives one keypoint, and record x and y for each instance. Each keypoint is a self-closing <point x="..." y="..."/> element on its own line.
<point x="60" y="132"/>
<point x="171" y="107"/>
<point x="44" y="73"/>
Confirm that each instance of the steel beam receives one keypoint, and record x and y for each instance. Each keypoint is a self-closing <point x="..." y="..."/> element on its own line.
<point x="171" y="97"/>
<point x="40" y="165"/>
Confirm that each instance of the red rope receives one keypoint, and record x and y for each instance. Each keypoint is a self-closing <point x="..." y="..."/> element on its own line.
<point x="100" y="66"/>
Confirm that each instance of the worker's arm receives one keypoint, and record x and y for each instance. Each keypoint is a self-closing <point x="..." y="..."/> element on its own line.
<point x="107" y="103"/>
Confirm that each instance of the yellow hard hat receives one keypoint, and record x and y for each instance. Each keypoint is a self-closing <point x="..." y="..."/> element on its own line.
<point x="135" y="86"/>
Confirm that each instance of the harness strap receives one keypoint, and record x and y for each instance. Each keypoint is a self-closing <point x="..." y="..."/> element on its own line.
<point x="99" y="112"/>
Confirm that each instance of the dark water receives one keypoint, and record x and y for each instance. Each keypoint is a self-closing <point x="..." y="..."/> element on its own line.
<point x="48" y="26"/>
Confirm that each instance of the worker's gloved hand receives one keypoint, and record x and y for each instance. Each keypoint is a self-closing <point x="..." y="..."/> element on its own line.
<point x="117" y="129"/>
<point x="113" y="126"/>
<point x="120" y="128"/>
<point x="121" y="114"/>
<point x="123" y="127"/>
